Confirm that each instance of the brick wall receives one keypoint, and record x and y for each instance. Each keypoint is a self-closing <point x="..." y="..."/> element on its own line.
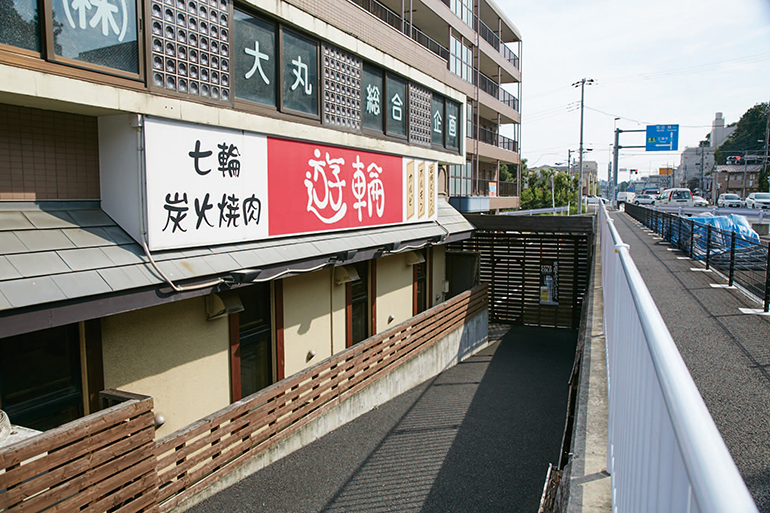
<point x="46" y="155"/>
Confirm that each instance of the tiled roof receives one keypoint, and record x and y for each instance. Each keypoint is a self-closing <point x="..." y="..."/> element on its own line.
<point x="73" y="250"/>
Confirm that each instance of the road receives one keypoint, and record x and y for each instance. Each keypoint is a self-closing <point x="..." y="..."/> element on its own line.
<point x="727" y="352"/>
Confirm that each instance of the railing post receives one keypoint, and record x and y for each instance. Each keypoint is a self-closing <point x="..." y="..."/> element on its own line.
<point x="692" y="237"/>
<point x="679" y="242"/>
<point x="708" y="245"/>
<point x="767" y="282"/>
<point x="732" y="258"/>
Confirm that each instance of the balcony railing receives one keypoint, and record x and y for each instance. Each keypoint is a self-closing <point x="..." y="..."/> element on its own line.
<point x="490" y="37"/>
<point x="492" y="88"/>
<point x="493" y="138"/>
<point x="394" y="20"/>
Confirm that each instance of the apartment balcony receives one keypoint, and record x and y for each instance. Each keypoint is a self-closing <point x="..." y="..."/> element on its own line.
<point x="493" y="146"/>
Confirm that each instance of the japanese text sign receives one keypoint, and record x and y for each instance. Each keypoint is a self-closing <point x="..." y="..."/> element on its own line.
<point x="209" y="185"/>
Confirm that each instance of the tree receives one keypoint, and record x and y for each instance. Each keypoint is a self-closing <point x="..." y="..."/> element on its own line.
<point x="748" y="137"/>
<point x="505" y="175"/>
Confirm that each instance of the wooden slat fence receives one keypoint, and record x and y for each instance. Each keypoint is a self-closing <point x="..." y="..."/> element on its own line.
<point x="102" y="462"/>
<point x="109" y="461"/>
<point x="193" y="458"/>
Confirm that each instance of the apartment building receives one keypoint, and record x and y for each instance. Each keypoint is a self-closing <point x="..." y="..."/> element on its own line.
<point x="740" y="179"/>
<point x="199" y="198"/>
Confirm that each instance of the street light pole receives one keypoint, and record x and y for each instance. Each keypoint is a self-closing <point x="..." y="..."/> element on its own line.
<point x="582" y="83"/>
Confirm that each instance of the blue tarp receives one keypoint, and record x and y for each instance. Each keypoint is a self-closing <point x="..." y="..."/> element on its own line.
<point x="745" y="238"/>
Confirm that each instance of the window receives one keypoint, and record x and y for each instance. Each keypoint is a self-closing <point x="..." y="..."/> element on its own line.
<point x="437" y="120"/>
<point x="40" y="378"/>
<point x="463" y="10"/>
<point x="460" y="180"/>
<point x="95" y="34"/>
<point x="421" y="293"/>
<point x="300" y="73"/>
<point x="251" y="342"/>
<point x="453" y="125"/>
<point x="461" y="60"/>
<point x="255" y="59"/>
<point x="357" y="300"/>
<point x="372" y="85"/>
<point x="395" y="120"/>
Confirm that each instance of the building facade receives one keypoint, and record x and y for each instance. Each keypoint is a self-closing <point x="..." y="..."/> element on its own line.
<point x="736" y="179"/>
<point x="200" y="198"/>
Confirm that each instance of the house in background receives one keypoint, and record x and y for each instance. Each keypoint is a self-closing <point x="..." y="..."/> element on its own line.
<point x="199" y="198"/>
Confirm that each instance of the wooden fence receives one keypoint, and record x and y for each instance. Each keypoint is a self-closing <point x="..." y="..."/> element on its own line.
<point x="102" y="462"/>
<point x="109" y="461"/>
<point x="193" y="458"/>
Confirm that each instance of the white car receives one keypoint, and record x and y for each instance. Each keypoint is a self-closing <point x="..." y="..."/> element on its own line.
<point x="675" y="198"/>
<point x="644" y="199"/>
<point x="728" y="200"/>
<point x="758" y="200"/>
<point x="698" y="201"/>
<point x="594" y="200"/>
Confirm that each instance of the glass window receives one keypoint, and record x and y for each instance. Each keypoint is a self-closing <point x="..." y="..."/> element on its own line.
<point x="453" y="125"/>
<point x="437" y="120"/>
<point x="396" y="117"/>
<point x="360" y="304"/>
<point x="255" y="59"/>
<point x="20" y="25"/>
<point x="40" y="380"/>
<point x="372" y="86"/>
<point x="300" y="73"/>
<point x="101" y="32"/>
<point x="461" y="60"/>
<point x="255" y="339"/>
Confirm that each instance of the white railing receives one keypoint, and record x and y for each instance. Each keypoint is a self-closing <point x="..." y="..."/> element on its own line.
<point x="664" y="452"/>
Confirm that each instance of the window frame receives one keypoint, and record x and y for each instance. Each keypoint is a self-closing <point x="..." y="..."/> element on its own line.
<point x="76" y="68"/>
<point x="282" y="30"/>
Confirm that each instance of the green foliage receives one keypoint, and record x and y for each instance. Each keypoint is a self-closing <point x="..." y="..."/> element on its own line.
<point x="749" y="134"/>
<point x="505" y="175"/>
<point x="538" y="192"/>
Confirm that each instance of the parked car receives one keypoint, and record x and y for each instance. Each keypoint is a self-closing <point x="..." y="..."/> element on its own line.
<point x="729" y="200"/>
<point x="624" y="197"/>
<point x="758" y="200"/>
<point x="644" y="199"/>
<point x="698" y="201"/>
<point x="675" y="198"/>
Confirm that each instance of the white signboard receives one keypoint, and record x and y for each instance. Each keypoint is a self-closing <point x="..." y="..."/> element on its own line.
<point x="205" y="185"/>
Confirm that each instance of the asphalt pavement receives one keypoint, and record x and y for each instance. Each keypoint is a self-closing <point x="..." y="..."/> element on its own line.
<point x="726" y="351"/>
<point x="476" y="438"/>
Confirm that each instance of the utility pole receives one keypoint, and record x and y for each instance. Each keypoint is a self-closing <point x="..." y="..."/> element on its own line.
<point x="767" y="140"/>
<point x="582" y="83"/>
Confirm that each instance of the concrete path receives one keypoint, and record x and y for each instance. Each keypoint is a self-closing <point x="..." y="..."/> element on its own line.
<point x="726" y="351"/>
<point x="478" y="437"/>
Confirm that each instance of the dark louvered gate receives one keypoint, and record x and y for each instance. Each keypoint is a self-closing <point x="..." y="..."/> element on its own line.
<point x="537" y="268"/>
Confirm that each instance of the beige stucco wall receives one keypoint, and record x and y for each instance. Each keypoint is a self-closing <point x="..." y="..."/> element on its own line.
<point x="307" y="324"/>
<point x="172" y="353"/>
<point x="395" y="280"/>
<point x="439" y="274"/>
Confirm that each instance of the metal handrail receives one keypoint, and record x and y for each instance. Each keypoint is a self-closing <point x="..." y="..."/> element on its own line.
<point x="684" y="433"/>
<point x="394" y="20"/>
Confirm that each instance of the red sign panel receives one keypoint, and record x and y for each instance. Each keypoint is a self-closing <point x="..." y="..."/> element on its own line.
<point x="313" y="188"/>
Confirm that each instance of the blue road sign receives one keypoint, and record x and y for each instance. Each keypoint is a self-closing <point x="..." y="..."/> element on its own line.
<point x="662" y="138"/>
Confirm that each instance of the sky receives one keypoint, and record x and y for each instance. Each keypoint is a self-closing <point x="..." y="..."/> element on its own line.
<point x="654" y="62"/>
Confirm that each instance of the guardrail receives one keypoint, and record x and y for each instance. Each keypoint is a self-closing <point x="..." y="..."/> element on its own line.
<point x="537" y="211"/>
<point x="742" y="261"/>
<point x="664" y="452"/>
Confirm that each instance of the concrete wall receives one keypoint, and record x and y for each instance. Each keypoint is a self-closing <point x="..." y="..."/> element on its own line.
<point x="173" y="354"/>
<point x="445" y="353"/>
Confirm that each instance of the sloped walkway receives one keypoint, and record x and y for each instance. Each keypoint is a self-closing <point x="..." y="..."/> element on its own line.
<point x="478" y="437"/>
